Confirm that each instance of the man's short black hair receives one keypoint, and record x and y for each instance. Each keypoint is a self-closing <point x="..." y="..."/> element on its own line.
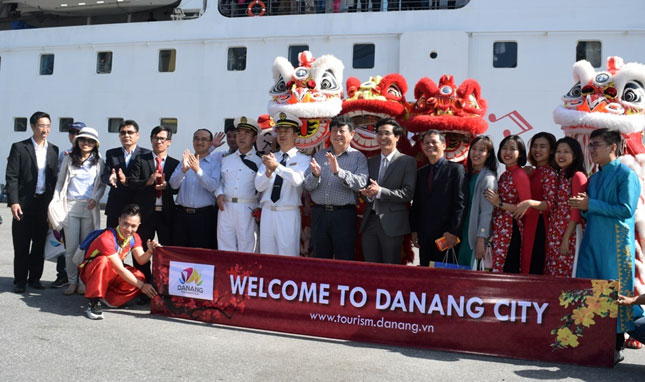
<point x="610" y="137"/>
<point x="33" y="120"/>
<point x="397" y="130"/>
<point x="131" y="210"/>
<point x="340" y="121"/>
<point x="129" y="122"/>
<point x="159" y="129"/>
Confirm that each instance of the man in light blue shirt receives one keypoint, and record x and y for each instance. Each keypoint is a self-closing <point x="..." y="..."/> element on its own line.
<point x="197" y="178"/>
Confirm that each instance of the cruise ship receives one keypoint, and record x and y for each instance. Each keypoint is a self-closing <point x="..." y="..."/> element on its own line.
<point x="190" y="64"/>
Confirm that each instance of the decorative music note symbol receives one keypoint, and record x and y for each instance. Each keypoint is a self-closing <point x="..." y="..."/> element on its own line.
<point x="517" y="118"/>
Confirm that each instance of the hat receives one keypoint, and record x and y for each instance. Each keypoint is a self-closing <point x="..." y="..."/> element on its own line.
<point x="76" y="126"/>
<point x="246" y="123"/>
<point x="88" y="132"/>
<point x="284" y="119"/>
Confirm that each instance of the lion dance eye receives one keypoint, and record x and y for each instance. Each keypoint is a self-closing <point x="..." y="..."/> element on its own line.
<point x="328" y="82"/>
<point x="633" y="93"/>
<point x="279" y="87"/>
<point x="575" y="91"/>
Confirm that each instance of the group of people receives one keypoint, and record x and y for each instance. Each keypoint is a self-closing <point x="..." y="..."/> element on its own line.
<point x="527" y="220"/>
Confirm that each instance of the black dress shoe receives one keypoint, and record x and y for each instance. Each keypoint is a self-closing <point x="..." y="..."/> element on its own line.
<point x="20" y="287"/>
<point x="36" y="285"/>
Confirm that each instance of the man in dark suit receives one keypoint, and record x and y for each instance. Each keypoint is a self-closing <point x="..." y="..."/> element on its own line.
<point x="118" y="162"/>
<point x="31" y="175"/>
<point x="392" y="179"/>
<point x="149" y="178"/>
<point x="439" y="202"/>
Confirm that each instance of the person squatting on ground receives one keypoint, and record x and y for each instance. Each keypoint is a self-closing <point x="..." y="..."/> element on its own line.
<point x="107" y="279"/>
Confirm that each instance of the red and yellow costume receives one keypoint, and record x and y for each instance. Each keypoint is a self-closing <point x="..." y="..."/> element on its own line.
<point x="513" y="187"/>
<point x="98" y="274"/>
<point x="556" y="264"/>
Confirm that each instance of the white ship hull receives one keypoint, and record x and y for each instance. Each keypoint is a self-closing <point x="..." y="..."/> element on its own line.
<point x="201" y="92"/>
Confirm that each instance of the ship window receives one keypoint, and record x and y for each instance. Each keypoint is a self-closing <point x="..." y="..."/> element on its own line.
<point x="46" y="64"/>
<point x="363" y="56"/>
<point x="294" y="51"/>
<point x="505" y="54"/>
<point x="170" y="123"/>
<point x="64" y="124"/>
<point x="590" y="51"/>
<point x="20" y="124"/>
<point x="113" y="124"/>
<point x="167" y="59"/>
<point x="236" y="59"/>
<point x="104" y="62"/>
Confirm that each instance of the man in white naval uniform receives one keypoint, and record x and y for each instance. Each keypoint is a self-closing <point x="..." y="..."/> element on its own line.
<point x="236" y="194"/>
<point x="280" y="179"/>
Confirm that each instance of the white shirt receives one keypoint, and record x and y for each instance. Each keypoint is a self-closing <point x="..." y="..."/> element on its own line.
<point x="293" y="173"/>
<point x="81" y="181"/>
<point x="238" y="180"/>
<point x="128" y="155"/>
<point x="159" y="202"/>
<point x="41" y="163"/>
<point x="381" y="169"/>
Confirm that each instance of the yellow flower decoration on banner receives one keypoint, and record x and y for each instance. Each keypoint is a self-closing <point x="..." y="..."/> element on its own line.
<point x="566" y="338"/>
<point x="583" y="316"/>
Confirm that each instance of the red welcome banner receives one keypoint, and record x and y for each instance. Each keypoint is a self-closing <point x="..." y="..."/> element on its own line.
<point x="517" y="316"/>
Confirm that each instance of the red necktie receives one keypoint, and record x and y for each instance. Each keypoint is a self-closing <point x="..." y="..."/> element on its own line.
<point x="430" y="178"/>
<point x="159" y="179"/>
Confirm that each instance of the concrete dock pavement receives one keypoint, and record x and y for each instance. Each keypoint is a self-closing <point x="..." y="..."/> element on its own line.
<point x="45" y="336"/>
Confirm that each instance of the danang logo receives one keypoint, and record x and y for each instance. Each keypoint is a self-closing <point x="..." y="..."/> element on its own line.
<point x="191" y="280"/>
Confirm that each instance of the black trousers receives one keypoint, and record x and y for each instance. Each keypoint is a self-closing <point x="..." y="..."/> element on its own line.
<point x="159" y="223"/>
<point x="377" y="246"/>
<point x="29" y="235"/>
<point x="333" y="233"/>
<point x="514" y="254"/>
<point x="539" y="248"/>
<point x="195" y="229"/>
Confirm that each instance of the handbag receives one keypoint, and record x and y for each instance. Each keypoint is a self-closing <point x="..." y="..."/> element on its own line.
<point x="449" y="254"/>
<point x="57" y="209"/>
<point x="53" y="246"/>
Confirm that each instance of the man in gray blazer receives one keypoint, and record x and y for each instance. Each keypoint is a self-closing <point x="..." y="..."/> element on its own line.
<point x="391" y="187"/>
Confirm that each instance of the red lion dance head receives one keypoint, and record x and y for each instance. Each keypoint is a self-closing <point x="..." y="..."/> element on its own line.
<point x="367" y="102"/>
<point x="458" y="112"/>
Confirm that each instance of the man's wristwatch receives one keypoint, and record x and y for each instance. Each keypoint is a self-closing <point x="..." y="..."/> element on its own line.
<point x="500" y="205"/>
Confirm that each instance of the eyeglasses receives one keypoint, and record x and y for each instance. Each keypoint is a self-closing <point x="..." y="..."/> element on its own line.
<point x="85" y="140"/>
<point x="595" y="145"/>
<point x="160" y="139"/>
<point x="197" y="139"/>
<point x="127" y="132"/>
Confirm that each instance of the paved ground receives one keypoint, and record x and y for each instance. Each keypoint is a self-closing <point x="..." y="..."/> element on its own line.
<point x="45" y="336"/>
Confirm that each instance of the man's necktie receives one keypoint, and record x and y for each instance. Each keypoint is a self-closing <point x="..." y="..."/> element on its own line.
<point x="249" y="163"/>
<point x="430" y="178"/>
<point x="277" y="183"/>
<point x="381" y="173"/>
<point x="159" y="179"/>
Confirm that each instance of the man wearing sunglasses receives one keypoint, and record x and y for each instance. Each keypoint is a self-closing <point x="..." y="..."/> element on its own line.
<point x="118" y="163"/>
